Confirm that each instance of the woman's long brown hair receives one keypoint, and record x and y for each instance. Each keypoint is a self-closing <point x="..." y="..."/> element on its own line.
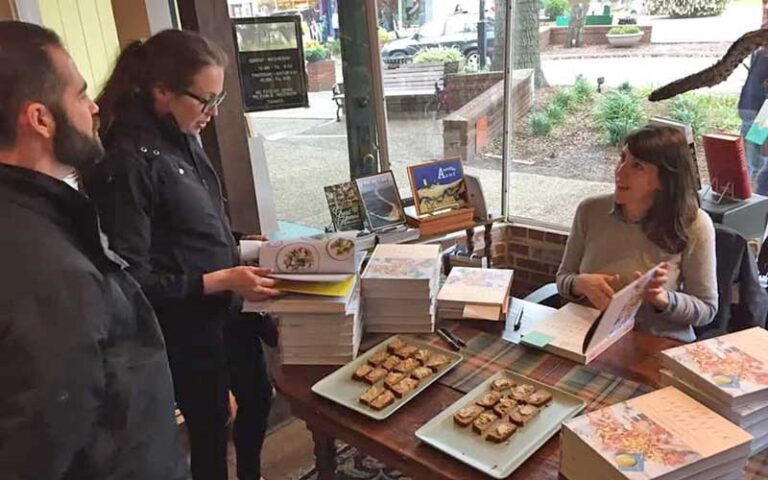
<point x="170" y="58"/>
<point x="676" y="204"/>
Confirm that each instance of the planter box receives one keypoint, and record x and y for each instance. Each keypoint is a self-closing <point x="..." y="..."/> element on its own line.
<point x="624" y="40"/>
<point x="595" y="35"/>
<point x="321" y="75"/>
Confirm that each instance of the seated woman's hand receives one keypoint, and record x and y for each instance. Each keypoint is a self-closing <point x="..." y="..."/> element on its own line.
<point x="656" y="293"/>
<point x="596" y="287"/>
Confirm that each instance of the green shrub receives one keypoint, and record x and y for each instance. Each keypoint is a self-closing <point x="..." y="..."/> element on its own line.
<point x="566" y="100"/>
<point x="555" y="113"/>
<point x="626" y="87"/>
<point x="617" y="130"/>
<point x="315" y="51"/>
<point x="618" y="113"/>
<point x="438" y="55"/>
<point x="686" y="8"/>
<point x="720" y="112"/>
<point x="334" y="46"/>
<point x="540" y="123"/>
<point x="683" y="110"/>
<point x="555" y="8"/>
<point x="385" y="36"/>
<point x="582" y="90"/>
<point x="624" y="30"/>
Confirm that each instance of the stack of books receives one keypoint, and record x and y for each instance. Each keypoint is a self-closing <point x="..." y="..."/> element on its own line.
<point x="661" y="435"/>
<point x="475" y="293"/>
<point x="399" y="287"/>
<point x="729" y="374"/>
<point x="316" y="329"/>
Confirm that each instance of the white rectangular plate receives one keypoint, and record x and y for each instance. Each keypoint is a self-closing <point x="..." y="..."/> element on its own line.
<point x="499" y="460"/>
<point x="340" y="388"/>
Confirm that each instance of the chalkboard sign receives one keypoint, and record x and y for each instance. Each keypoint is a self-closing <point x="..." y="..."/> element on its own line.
<point x="344" y="206"/>
<point x="270" y="58"/>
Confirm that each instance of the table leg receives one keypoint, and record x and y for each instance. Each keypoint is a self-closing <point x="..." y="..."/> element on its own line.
<point x="488" y="246"/>
<point x="325" y="455"/>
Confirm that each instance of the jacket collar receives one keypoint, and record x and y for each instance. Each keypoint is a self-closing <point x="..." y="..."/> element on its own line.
<point x="136" y="115"/>
<point x="60" y="204"/>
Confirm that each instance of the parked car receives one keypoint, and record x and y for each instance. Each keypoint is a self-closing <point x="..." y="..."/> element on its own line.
<point x="455" y="31"/>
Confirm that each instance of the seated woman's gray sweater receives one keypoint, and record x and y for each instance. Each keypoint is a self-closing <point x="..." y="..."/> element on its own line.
<point x="602" y="241"/>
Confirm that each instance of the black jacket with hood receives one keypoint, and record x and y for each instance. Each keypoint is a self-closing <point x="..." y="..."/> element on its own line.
<point x="162" y="208"/>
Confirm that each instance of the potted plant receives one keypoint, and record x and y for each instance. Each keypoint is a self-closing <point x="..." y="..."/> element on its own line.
<point x="321" y="69"/>
<point x="624" y="36"/>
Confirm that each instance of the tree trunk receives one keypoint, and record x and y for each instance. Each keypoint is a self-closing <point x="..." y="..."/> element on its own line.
<point x="525" y="39"/>
<point x="576" y="23"/>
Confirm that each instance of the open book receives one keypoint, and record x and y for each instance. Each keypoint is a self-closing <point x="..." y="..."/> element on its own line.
<point x="581" y="333"/>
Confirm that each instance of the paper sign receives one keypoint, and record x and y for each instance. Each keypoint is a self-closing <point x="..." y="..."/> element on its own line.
<point x="758" y="133"/>
<point x="537" y="339"/>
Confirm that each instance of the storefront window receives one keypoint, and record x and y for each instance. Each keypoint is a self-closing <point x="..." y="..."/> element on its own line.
<point x="304" y="148"/>
<point x="564" y="144"/>
<point x="442" y="100"/>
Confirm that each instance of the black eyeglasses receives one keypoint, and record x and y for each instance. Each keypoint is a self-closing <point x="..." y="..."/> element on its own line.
<point x="207" y="103"/>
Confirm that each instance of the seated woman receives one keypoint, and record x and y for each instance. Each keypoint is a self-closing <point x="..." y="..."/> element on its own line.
<point x="652" y="217"/>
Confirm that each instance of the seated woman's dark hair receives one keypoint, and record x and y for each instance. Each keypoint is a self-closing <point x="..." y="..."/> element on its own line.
<point x="676" y="204"/>
<point x="170" y="58"/>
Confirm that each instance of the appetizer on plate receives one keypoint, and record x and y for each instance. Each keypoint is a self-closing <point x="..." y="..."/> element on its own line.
<point x="464" y="416"/>
<point x="500" y="432"/>
<point x="361" y="372"/>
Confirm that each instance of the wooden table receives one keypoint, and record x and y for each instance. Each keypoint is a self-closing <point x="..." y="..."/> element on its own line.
<point x="393" y="441"/>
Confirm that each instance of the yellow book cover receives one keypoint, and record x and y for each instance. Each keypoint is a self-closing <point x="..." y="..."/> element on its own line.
<point x="325" y="289"/>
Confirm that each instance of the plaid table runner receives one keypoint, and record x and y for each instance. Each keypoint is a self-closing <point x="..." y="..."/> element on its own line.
<point x="487" y="353"/>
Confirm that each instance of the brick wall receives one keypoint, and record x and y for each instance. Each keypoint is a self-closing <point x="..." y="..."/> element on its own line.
<point x="533" y="252"/>
<point x="594" y="34"/>
<point x="462" y="88"/>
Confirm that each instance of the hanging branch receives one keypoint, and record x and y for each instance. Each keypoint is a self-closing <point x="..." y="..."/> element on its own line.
<point x="717" y="73"/>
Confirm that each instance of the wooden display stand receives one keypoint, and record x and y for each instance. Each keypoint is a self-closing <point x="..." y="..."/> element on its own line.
<point x="441" y="222"/>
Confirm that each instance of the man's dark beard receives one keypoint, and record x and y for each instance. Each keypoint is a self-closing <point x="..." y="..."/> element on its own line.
<point x="73" y="147"/>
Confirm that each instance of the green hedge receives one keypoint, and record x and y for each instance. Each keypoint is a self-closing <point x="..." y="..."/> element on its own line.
<point x="686" y="8"/>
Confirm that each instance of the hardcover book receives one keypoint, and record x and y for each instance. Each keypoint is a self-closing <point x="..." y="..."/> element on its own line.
<point x="581" y="333"/>
<point x="727" y="164"/>
<point x="661" y="435"/>
<point x="331" y="254"/>
<point x="344" y="206"/>
<point x="732" y="368"/>
<point x="479" y="293"/>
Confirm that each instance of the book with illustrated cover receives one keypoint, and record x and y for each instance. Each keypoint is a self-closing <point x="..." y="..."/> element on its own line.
<point x="290" y="259"/>
<point x="661" y="435"/>
<point x="402" y="271"/>
<point x="480" y="293"/>
<point x="344" y="206"/>
<point x="581" y="333"/>
<point x="732" y="368"/>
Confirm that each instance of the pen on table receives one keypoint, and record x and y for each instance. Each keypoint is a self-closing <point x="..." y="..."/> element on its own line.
<point x="448" y="340"/>
<point x="456" y="339"/>
<point x="518" y="320"/>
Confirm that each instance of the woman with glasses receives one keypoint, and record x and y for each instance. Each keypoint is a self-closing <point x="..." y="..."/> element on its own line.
<point x="652" y="217"/>
<point x="162" y="208"/>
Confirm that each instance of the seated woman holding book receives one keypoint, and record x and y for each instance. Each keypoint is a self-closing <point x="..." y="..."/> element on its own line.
<point x="651" y="218"/>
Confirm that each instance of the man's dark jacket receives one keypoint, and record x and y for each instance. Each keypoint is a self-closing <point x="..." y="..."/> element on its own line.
<point x="162" y="209"/>
<point x="85" y="387"/>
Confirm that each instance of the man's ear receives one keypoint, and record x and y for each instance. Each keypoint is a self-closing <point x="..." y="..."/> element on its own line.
<point x="38" y="118"/>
